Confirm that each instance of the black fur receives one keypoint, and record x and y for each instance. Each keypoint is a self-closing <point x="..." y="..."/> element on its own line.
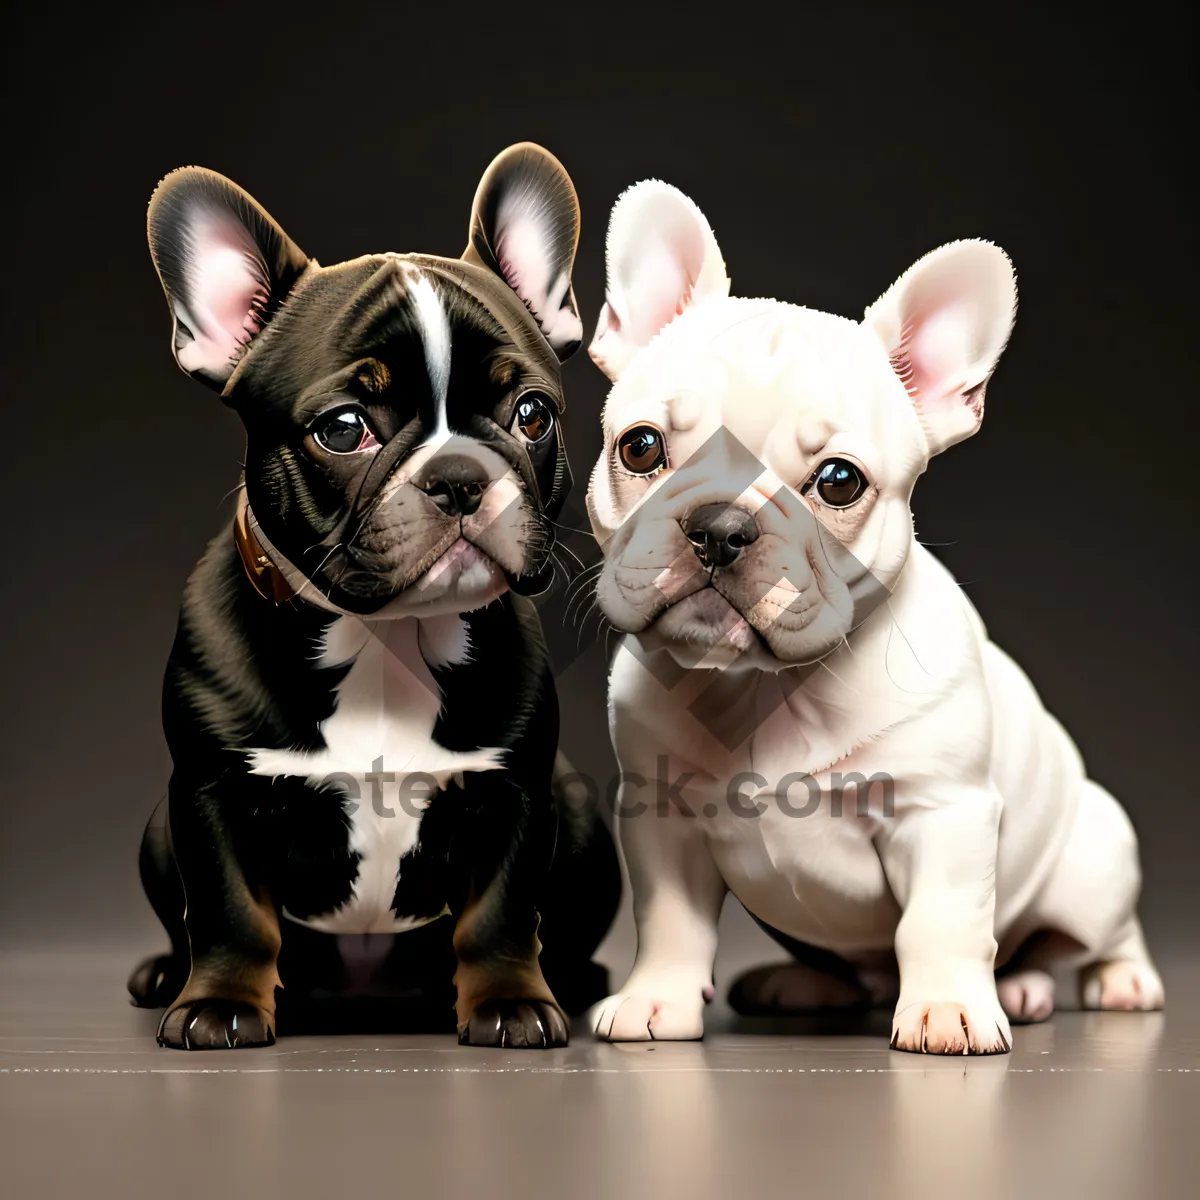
<point x="232" y="857"/>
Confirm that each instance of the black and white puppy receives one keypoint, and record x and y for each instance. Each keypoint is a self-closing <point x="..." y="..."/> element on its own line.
<point x="359" y="704"/>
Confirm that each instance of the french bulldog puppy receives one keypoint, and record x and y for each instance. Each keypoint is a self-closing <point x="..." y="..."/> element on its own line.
<point x="359" y="703"/>
<point x="788" y="637"/>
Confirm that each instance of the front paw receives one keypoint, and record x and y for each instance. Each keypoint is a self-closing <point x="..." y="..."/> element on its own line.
<point x="516" y="1025"/>
<point x="650" y="1015"/>
<point x="216" y="1025"/>
<point x="961" y="1020"/>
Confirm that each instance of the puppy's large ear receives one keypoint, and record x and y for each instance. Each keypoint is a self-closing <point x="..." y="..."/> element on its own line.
<point x="661" y="257"/>
<point x="944" y="324"/>
<point x="224" y="264"/>
<point x="525" y="228"/>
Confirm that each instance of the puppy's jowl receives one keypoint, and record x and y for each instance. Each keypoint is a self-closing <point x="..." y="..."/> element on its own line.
<point x="359" y="704"/>
<point x="753" y="504"/>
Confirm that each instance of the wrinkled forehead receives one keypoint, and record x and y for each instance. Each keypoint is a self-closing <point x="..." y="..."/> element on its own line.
<point x="761" y="369"/>
<point x="423" y="324"/>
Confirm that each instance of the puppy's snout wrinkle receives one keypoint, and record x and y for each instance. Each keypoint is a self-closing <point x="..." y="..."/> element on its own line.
<point x="718" y="533"/>
<point x="455" y="483"/>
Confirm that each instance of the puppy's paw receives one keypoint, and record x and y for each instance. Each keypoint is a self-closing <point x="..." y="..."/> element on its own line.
<point x="637" y="1017"/>
<point x="970" y="1022"/>
<point x="216" y="1025"/>
<point x="156" y="981"/>
<point x="1027" y="996"/>
<point x="516" y="1025"/>
<point x="1122" y="985"/>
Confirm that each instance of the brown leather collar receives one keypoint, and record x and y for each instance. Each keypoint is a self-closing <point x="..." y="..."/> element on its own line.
<point x="267" y="578"/>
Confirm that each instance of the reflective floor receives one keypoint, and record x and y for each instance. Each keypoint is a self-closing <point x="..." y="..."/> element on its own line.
<point x="1090" y="1105"/>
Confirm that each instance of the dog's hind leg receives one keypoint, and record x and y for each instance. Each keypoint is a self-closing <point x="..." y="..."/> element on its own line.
<point x="1124" y="978"/>
<point x="816" y="981"/>
<point x="1091" y="896"/>
<point x="157" y="980"/>
<point x="781" y="989"/>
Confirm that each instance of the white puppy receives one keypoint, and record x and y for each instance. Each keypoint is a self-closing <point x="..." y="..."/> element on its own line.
<point x="788" y="638"/>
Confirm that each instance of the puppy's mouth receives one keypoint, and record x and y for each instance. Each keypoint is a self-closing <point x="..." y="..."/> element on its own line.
<point x="462" y="576"/>
<point x="464" y="565"/>
<point x="706" y="620"/>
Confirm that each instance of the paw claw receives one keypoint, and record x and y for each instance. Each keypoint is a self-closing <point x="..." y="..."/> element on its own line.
<point x="941" y="1027"/>
<point x="630" y="1017"/>
<point x="516" y="1025"/>
<point x="216" y="1024"/>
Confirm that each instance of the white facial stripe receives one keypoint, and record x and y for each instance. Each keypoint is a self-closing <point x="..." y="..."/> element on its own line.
<point x="435" y="333"/>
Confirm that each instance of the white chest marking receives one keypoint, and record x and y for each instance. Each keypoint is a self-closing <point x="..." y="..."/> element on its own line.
<point x="435" y="333"/>
<point x="379" y="751"/>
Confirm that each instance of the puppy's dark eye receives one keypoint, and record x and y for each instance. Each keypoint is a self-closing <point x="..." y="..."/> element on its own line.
<point x="642" y="450"/>
<point x="344" y="432"/>
<point x="533" y="417"/>
<point x="838" y="483"/>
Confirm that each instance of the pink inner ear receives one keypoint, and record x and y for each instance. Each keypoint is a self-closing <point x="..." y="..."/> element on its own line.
<point x="225" y="298"/>
<point x="228" y="290"/>
<point x="523" y="262"/>
<point x="658" y="287"/>
<point x="937" y="350"/>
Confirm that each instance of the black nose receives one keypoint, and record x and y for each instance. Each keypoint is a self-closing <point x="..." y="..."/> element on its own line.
<point x="455" y="484"/>
<point x="719" y="533"/>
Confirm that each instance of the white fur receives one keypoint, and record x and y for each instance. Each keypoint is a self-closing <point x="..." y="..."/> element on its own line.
<point x="435" y="335"/>
<point x="662" y="257"/>
<point x="908" y="684"/>
<point x="387" y="706"/>
<point x="444" y="640"/>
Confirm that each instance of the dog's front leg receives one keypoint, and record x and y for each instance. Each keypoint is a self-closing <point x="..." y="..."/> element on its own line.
<point x="228" y="1001"/>
<point x="940" y="859"/>
<point x="502" y="997"/>
<point x="677" y="897"/>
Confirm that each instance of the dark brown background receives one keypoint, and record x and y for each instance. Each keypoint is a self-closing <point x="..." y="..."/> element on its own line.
<point x="830" y="147"/>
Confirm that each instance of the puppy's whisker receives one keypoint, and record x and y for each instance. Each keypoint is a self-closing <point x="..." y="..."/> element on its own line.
<point x="578" y="615"/>
<point x="567" y="550"/>
<point x="826" y="667"/>
<point x="574" y="611"/>
<point x="233" y="491"/>
<point x="594" y="569"/>
<point x="308" y="580"/>
<point x="556" y="558"/>
<point x="555" y="568"/>
<point x="321" y="565"/>
<point x="588" y="575"/>
<point x="580" y="598"/>
<point x="584" y="612"/>
<point x="571" y="529"/>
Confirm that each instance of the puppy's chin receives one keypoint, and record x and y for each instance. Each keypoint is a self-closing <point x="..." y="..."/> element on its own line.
<point x="462" y="579"/>
<point x="705" y="630"/>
